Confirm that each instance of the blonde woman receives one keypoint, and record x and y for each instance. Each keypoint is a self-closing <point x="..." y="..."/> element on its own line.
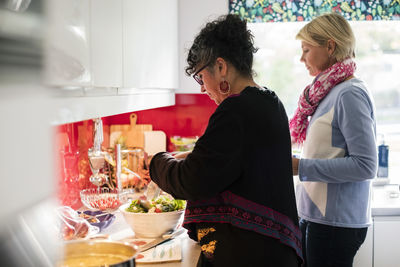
<point x="335" y="122"/>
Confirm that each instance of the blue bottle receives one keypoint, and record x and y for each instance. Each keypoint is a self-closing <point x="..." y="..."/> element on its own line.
<point x="383" y="160"/>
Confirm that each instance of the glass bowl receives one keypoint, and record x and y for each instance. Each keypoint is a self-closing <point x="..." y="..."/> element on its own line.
<point x="103" y="199"/>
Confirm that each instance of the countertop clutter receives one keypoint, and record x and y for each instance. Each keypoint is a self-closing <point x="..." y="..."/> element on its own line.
<point x="165" y="255"/>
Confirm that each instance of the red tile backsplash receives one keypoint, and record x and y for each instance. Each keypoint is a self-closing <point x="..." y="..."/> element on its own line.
<point x="188" y="117"/>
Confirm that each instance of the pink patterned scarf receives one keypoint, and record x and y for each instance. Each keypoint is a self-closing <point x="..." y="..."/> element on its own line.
<point x="314" y="93"/>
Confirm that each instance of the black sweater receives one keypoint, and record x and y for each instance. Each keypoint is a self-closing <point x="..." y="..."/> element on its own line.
<point x="240" y="170"/>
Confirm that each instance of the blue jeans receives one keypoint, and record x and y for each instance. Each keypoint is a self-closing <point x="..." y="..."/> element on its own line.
<point x="330" y="246"/>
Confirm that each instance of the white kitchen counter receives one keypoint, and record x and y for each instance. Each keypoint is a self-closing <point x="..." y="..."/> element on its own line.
<point x="119" y="229"/>
<point x="385" y="200"/>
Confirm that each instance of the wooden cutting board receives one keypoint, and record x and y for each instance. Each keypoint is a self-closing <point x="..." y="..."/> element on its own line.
<point x="154" y="142"/>
<point x="133" y="133"/>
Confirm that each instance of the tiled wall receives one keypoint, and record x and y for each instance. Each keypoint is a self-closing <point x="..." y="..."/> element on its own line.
<point x="189" y="117"/>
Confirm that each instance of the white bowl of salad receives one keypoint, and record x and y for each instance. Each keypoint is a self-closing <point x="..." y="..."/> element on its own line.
<point x="164" y="214"/>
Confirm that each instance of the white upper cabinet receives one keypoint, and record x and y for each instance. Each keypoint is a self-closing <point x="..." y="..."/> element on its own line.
<point x="119" y="43"/>
<point x="106" y="37"/>
<point x="150" y="43"/>
<point x="110" y="57"/>
<point x="193" y="15"/>
<point x="67" y="43"/>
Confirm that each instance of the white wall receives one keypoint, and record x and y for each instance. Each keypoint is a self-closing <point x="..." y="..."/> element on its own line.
<point x="193" y="15"/>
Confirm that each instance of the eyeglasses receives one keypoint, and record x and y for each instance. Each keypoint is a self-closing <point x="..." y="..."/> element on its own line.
<point x="197" y="77"/>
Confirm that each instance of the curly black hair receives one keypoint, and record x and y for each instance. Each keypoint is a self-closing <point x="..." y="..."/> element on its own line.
<point x="226" y="37"/>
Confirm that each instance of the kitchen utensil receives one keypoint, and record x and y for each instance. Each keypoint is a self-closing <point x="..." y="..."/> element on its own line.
<point x="164" y="238"/>
<point x="133" y="132"/>
<point x="152" y="191"/>
<point x="96" y="156"/>
<point x="98" y="253"/>
<point x="145" y="204"/>
<point x="154" y="142"/>
<point x="118" y="165"/>
<point x="97" y="161"/>
<point x="149" y="193"/>
<point x="135" y="182"/>
<point x="150" y="188"/>
<point x="170" y="251"/>
<point x="132" y="172"/>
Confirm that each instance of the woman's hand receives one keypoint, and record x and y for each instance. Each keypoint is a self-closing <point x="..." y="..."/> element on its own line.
<point x="295" y="165"/>
<point x="144" y="164"/>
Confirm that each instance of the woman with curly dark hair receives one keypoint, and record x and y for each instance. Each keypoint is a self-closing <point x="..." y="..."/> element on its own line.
<point x="238" y="179"/>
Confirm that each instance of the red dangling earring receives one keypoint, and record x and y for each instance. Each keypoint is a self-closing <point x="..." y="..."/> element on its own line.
<point x="224" y="87"/>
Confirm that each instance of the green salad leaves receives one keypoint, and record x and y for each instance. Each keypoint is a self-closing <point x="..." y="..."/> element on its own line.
<point x="160" y="204"/>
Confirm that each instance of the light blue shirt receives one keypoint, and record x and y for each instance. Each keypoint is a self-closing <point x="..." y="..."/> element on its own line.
<point x="339" y="159"/>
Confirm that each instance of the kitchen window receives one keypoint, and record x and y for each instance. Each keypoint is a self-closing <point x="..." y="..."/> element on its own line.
<point x="277" y="66"/>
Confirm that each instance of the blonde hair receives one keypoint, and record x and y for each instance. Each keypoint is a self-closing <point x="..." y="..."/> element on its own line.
<point x="331" y="26"/>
